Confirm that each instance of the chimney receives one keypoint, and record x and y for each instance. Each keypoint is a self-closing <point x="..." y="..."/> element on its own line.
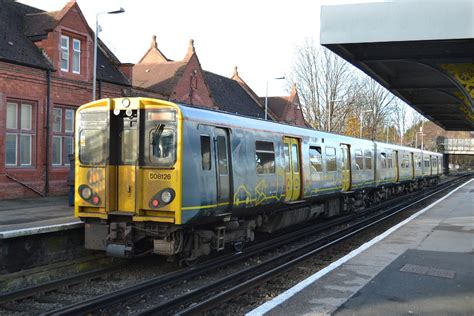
<point x="191" y="50"/>
<point x="127" y="70"/>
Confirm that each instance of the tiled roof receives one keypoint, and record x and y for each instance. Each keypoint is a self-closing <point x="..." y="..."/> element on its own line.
<point x="18" y="22"/>
<point x="107" y="71"/>
<point x="231" y="97"/>
<point x="40" y="23"/>
<point x="14" y="45"/>
<point x="160" y="78"/>
<point x="277" y="105"/>
<point x="287" y="109"/>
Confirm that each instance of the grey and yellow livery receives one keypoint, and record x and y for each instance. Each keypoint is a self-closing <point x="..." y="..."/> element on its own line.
<point x="181" y="181"/>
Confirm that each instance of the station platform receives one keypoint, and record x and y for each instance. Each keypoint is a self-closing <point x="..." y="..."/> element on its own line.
<point x="422" y="266"/>
<point x="35" y="215"/>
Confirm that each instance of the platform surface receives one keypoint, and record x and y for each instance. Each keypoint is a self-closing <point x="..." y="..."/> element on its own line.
<point x="425" y="267"/>
<point x="35" y="215"/>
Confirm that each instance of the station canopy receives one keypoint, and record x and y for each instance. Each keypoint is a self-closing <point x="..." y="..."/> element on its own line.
<point x="422" y="51"/>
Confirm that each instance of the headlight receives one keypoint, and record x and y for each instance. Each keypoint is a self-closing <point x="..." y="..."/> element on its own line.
<point x="162" y="198"/>
<point x="166" y="197"/>
<point x="126" y="103"/>
<point x="85" y="192"/>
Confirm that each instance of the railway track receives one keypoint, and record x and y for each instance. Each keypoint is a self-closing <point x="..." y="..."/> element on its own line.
<point x="219" y="292"/>
<point x="224" y="288"/>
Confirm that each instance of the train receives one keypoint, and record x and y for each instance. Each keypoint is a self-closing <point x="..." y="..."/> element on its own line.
<point x="153" y="176"/>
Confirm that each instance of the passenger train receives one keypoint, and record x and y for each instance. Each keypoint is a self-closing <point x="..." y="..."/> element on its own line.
<point x="180" y="181"/>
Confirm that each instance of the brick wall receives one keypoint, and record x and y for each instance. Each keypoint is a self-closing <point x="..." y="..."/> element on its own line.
<point x="27" y="84"/>
<point x="192" y="87"/>
<point x="65" y="92"/>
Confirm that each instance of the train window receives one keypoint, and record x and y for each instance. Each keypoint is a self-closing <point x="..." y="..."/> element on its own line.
<point x="389" y="161"/>
<point x="359" y="159"/>
<point x="162" y="149"/>
<point x="129" y="142"/>
<point x="92" y="146"/>
<point x="315" y="158"/>
<point x="331" y="159"/>
<point x="264" y="157"/>
<point x="427" y="162"/>
<point x="206" y="152"/>
<point x="286" y="150"/>
<point x="406" y="160"/>
<point x="295" y="158"/>
<point x="383" y="160"/>
<point x="368" y="159"/>
<point x="418" y="161"/>
<point x="222" y="154"/>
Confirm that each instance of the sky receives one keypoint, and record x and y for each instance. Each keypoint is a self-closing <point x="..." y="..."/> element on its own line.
<point x="260" y="37"/>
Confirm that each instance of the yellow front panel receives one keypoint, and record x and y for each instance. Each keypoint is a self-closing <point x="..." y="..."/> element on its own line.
<point x="95" y="179"/>
<point x="126" y="189"/>
<point x="152" y="181"/>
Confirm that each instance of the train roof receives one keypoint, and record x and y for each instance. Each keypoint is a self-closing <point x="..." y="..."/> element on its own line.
<point x="210" y="116"/>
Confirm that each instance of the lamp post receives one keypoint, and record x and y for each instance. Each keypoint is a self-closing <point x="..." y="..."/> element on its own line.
<point x="361" y="119"/>
<point x="416" y="138"/>
<point x="94" y="72"/>
<point x="266" y="97"/>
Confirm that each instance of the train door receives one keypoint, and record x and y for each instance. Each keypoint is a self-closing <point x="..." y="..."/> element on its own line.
<point x="291" y="150"/>
<point x="346" y="167"/>
<point x="127" y="161"/>
<point x="431" y="166"/>
<point x="396" y="166"/>
<point x="221" y="158"/>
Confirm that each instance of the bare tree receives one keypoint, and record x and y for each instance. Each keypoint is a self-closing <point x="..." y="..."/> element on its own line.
<point x="326" y="84"/>
<point x="379" y="104"/>
<point x="399" y="118"/>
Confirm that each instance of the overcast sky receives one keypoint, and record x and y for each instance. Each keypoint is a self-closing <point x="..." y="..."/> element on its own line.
<point x="259" y="37"/>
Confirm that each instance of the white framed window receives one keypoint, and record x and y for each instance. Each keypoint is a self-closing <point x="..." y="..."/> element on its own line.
<point x="20" y="134"/>
<point x="64" y="53"/>
<point x="63" y="135"/>
<point x="25" y="150"/>
<point x="26" y="113"/>
<point x="11" y="153"/>
<point x="69" y="121"/>
<point x="57" y="150"/>
<point x="57" y="120"/>
<point x="12" y="115"/>
<point x="76" y="56"/>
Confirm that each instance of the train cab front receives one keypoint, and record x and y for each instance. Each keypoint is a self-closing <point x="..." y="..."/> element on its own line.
<point x="127" y="173"/>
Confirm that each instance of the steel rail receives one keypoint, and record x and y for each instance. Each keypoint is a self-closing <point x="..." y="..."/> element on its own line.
<point x="241" y="281"/>
<point x="105" y="300"/>
<point x="54" y="285"/>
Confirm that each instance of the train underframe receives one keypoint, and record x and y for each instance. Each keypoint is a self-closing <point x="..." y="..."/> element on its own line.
<point x="122" y="238"/>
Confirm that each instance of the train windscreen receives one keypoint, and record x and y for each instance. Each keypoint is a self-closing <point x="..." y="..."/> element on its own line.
<point x="93" y="138"/>
<point x="160" y="138"/>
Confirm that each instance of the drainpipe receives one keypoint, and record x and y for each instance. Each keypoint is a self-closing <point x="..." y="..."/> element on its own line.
<point x="46" y="158"/>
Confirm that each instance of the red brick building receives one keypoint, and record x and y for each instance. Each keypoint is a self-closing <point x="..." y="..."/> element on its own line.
<point x="287" y="109"/>
<point x="46" y="65"/>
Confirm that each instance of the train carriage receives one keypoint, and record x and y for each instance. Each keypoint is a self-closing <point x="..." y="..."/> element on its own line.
<point x="155" y="176"/>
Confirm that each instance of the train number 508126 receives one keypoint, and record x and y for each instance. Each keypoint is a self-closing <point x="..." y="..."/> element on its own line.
<point x="159" y="176"/>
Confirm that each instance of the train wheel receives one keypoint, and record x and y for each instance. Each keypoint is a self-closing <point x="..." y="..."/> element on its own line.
<point x="190" y="262"/>
<point x="238" y="246"/>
